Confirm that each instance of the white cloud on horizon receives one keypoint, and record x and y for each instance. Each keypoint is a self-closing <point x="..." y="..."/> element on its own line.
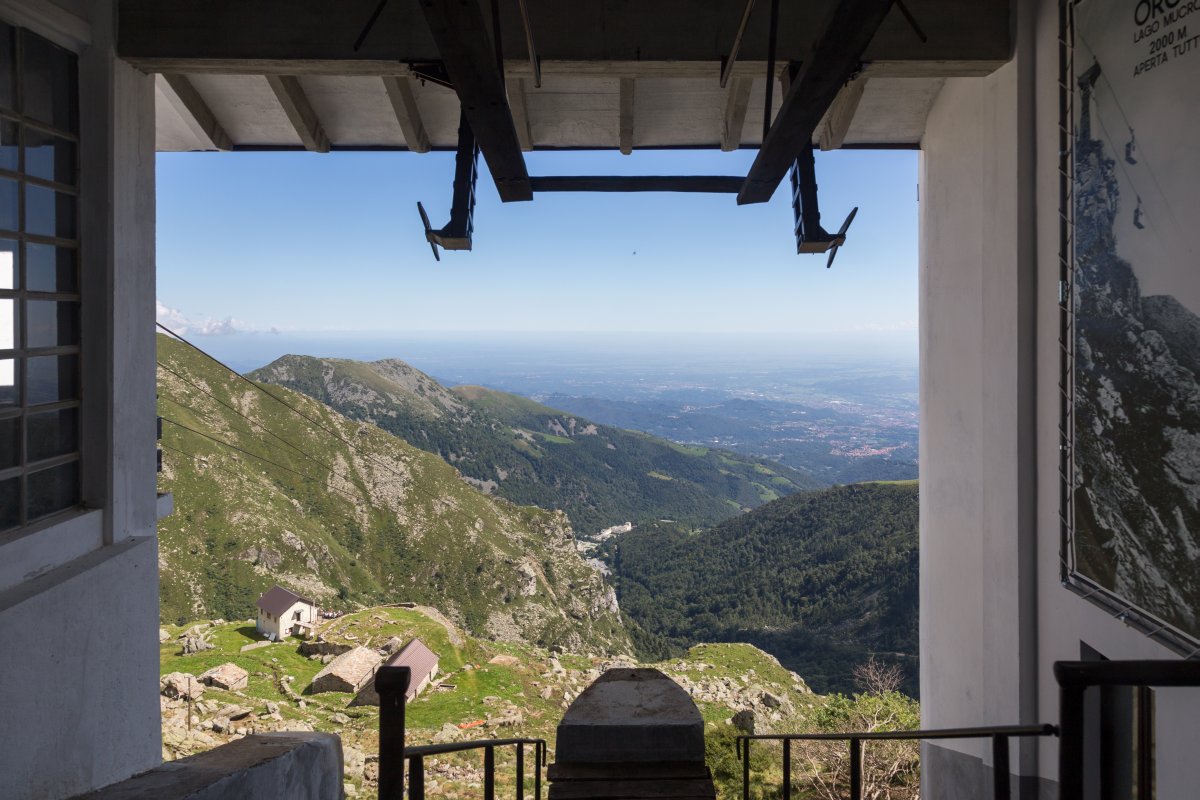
<point x="178" y="322"/>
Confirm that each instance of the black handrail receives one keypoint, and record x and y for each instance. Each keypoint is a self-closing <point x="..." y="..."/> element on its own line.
<point x="416" y="764"/>
<point x="1076" y="677"/>
<point x="999" y="734"/>
<point x="391" y="684"/>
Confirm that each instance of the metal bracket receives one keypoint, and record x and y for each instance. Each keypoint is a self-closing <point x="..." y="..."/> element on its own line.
<point x="456" y="234"/>
<point x="810" y="236"/>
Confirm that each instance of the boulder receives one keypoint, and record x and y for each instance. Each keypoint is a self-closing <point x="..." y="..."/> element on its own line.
<point x="744" y="721"/>
<point x="194" y="643"/>
<point x="228" y="676"/>
<point x="339" y="719"/>
<point x="771" y="701"/>
<point x="180" y="685"/>
<point x="163" y="636"/>
<point x="234" y="712"/>
<point x="391" y="645"/>
<point x="505" y="660"/>
<point x="348" y="672"/>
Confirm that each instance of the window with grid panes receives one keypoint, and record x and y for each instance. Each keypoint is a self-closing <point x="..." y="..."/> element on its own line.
<point x="39" y="279"/>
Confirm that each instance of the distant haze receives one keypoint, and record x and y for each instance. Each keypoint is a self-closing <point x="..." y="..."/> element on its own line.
<point x="469" y="357"/>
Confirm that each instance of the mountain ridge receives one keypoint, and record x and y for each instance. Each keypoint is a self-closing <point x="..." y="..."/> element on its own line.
<point x="533" y="454"/>
<point x="289" y="491"/>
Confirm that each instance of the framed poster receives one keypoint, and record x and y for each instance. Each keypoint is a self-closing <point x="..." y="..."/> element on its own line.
<point x="1133" y="469"/>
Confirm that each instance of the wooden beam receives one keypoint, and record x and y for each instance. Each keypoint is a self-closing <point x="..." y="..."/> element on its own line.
<point x="194" y="112"/>
<point x="831" y="61"/>
<point x="299" y="112"/>
<point x="836" y="123"/>
<point x="520" y="111"/>
<point x="737" y="99"/>
<point x="627" y="103"/>
<point x="723" y="184"/>
<point x="464" y="42"/>
<point x="404" y="106"/>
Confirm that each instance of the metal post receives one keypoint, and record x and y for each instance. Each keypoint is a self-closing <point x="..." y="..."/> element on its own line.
<point x="391" y="684"/>
<point x="1145" y="742"/>
<point x="539" y="761"/>
<point x="787" y="769"/>
<point x="416" y="778"/>
<point x="1070" y="747"/>
<point x="856" y="769"/>
<point x="489" y="773"/>
<point x="1001" y="784"/>
<point x="520" y="771"/>
<point x="746" y="769"/>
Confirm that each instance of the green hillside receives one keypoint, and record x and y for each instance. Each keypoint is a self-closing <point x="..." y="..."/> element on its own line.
<point x="531" y="454"/>
<point x="820" y="579"/>
<point x="348" y="514"/>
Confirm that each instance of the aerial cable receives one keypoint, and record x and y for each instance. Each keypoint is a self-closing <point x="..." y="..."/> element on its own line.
<point x="264" y="459"/>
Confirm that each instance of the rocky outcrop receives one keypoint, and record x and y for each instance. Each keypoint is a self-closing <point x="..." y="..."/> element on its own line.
<point x="180" y="686"/>
<point x="320" y="647"/>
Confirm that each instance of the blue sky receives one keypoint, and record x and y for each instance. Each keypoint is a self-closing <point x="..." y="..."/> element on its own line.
<point x="308" y="242"/>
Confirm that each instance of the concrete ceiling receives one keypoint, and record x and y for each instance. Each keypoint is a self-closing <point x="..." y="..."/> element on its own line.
<point x="568" y="111"/>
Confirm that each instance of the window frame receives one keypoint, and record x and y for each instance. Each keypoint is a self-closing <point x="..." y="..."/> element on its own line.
<point x="22" y="295"/>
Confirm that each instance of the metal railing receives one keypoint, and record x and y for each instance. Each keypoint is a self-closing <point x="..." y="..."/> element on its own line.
<point x="416" y="764"/>
<point x="1076" y="677"/>
<point x="999" y="734"/>
<point x="391" y="684"/>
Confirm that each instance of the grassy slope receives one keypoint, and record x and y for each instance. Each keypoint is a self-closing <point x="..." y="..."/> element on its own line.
<point x="820" y="579"/>
<point x="379" y="521"/>
<point x="599" y="475"/>
<point x="483" y="691"/>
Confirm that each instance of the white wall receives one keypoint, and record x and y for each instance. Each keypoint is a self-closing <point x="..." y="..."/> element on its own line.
<point x="79" y="598"/>
<point x="976" y="428"/>
<point x="994" y="615"/>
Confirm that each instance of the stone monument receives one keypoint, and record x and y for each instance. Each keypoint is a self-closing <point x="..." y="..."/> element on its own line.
<point x="634" y="733"/>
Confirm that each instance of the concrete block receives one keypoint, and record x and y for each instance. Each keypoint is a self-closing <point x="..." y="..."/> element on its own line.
<point x="287" y="766"/>
<point x="629" y="716"/>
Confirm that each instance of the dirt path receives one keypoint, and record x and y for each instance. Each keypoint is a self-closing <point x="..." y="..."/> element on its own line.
<point x="437" y="616"/>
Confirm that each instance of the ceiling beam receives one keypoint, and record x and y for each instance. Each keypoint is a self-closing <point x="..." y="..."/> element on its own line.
<point x="832" y="60"/>
<point x="638" y="183"/>
<point x="299" y="112"/>
<point x="836" y="123"/>
<point x="242" y="37"/>
<point x="627" y="104"/>
<point x="464" y="44"/>
<point x="404" y="105"/>
<point x="194" y="112"/>
<point x="737" y="99"/>
<point x="520" y="111"/>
